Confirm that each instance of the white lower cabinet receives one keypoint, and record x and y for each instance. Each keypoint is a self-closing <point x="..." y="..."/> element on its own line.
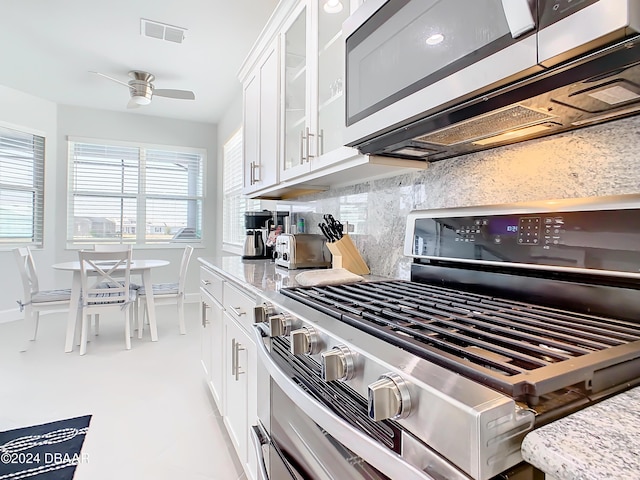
<point x="229" y="359"/>
<point x="212" y="332"/>
<point x="239" y="371"/>
<point x="212" y="343"/>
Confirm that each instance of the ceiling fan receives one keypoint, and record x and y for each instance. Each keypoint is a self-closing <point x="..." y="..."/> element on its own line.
<point x="142" y="89"/>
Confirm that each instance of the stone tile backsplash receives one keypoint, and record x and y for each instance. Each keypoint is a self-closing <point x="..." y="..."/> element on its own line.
<point x="595" y="161"/>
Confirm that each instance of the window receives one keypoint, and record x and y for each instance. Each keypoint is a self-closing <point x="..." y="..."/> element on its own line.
<point x="126" y="193"/>
<point x="21" y="188"/>
<point x="234" y="204"/>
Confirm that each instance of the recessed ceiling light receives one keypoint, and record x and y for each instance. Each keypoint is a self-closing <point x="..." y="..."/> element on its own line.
<point x="333" y="6"/>
<point x="435" y="39"/>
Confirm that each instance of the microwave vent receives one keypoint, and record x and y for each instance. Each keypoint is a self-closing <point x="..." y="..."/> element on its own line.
<point x="500" y="121"/>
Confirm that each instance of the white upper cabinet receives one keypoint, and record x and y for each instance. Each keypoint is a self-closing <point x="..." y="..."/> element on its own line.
<point x="312" y="90"/>
<point x="295" y="93"/>
<point x="261" y="121"/>
<point x="294" y="108"/>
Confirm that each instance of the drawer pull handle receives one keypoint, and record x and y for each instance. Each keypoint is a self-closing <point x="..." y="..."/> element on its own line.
<point x="206" y="282"/>
<point x="238" y="311"/>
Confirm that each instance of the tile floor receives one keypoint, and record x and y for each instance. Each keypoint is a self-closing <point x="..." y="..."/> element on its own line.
<point x="153" y="417"/>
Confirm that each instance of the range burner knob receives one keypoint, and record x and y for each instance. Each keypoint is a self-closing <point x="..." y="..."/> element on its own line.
<point x="389" y="398"/>
<point x="262" y="312"/>
<point x="279" y="325"/>
<point x="337" y="364"/>
<point x="305" y="340"/>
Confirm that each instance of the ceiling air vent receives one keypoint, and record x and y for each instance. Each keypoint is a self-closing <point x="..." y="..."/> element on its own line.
<point x="161" y="31"/>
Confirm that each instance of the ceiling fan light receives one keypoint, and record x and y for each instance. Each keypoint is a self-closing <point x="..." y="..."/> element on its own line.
<point x="333" y="6"/>
<point x="141" y="99"/>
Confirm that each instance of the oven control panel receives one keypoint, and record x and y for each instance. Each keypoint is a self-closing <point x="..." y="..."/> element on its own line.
<point x="607" y="239"/>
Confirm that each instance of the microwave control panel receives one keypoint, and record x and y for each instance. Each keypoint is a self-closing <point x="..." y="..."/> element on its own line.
<point x="552" y="11"/>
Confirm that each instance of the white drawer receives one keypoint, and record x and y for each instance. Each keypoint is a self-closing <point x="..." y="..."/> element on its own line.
<point x="212" y="283"/>
<point x="239" y="305"/>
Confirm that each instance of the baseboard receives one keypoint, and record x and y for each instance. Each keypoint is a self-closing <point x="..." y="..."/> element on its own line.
<point x="15" y="314"/>
<point x="10" y="315"/>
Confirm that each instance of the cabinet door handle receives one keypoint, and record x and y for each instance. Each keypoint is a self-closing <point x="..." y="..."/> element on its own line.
<point x="303" y="141"/>
<point x="308" y="141"/>
<point x="205" y="320"/>
<point x="253" y="179"/>
<point x="236" y="348"/>
<point x="234" y="357"/>
<point x="238" y="311"/>
<point x="321" y="143"/>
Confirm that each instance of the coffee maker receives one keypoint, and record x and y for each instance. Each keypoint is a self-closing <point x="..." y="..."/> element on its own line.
<point x="257" y="229"/>
<point x="258" y="225"/>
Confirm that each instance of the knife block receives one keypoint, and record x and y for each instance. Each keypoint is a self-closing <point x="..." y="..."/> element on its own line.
<point x="345" y="255"/>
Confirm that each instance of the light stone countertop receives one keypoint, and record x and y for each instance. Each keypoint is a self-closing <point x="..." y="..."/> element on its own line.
<point x="597" y="443"/>
<point x="258" y="275"/>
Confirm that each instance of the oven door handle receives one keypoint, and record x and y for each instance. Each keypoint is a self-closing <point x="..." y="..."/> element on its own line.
<point x="258" y="438"/>
<point x="388" y="462"/>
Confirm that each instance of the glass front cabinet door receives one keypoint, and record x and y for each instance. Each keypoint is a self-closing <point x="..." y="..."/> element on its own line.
<point x="313" y="87"/>
<point x="295" y="94"/>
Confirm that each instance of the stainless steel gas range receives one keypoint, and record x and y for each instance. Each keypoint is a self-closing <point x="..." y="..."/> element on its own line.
<point x="515" y="315"/>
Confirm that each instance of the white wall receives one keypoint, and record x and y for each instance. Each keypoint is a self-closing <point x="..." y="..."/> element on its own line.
<point x="59" y="122"/>
<point x="36" y="115"/>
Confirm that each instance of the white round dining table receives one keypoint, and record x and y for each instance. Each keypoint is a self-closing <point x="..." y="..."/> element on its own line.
<point x="138" y="267"/>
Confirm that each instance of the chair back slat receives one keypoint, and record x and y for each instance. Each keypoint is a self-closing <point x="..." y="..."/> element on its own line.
<point x="105" y="277"/>
<point x="28" y="274"/>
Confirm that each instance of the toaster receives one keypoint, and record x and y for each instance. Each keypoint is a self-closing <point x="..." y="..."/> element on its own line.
<point x="302" y="250"/>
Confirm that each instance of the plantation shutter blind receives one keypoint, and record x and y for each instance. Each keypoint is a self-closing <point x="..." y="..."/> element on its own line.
<point x="133" y="194"/>
<point x="173" y="194"/>
<point x="234" y="204"/>
<point x="21" y="188"/>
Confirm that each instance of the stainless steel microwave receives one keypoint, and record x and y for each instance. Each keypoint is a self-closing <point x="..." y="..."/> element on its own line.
<point x="431" y="79"/>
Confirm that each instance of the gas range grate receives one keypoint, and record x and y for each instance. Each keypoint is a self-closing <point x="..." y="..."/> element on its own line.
<point x="522" y="349"/>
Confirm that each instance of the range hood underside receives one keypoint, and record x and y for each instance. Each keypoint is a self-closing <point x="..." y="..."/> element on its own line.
<point x="595" y="88"/>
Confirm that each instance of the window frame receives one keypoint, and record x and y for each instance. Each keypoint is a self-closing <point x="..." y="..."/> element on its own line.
<point x="141" y="197"/>
<point x="235" y="192"/>
<point x="39" y="190"/>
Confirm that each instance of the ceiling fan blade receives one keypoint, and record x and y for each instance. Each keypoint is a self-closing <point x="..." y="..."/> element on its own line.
<point x="171" y="93"/>
<point x="110" y="78"/>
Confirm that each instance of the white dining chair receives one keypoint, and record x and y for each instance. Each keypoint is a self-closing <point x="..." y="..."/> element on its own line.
<point x="105" y="279"/>
<point x="167" y="293"/>
<point x="112" y="247"/>
<point x="34" y="300"/>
